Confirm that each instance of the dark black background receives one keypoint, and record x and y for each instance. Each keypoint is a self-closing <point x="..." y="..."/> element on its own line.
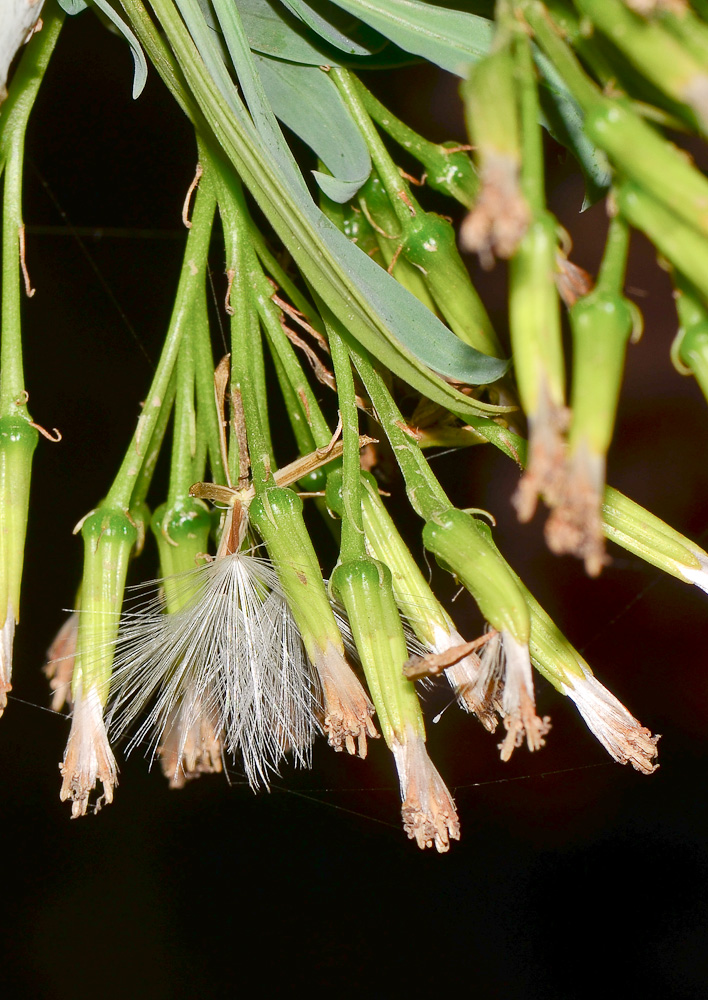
<point x="575" y="877"/>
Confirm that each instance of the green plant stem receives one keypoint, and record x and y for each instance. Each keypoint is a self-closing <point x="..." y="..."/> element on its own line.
<point x="207" y="415"/>
<point x="447" y="169"/>
<point x="561" y="55"/>
<point x="13" y="125"/>
<point x="152" y="452"/>
<point x="244" y="332"/>
<point x="353" y="544"/>
<point x="281" y="346"/>
<point x="300" y="428"/>
<point x="426" y="495"/>
<point x="402" y="202"/>
<point x="614" y="261"/>
<point x="184" y="425"/>
<point x="192" y="274"/>
<point x="532" y="164"/>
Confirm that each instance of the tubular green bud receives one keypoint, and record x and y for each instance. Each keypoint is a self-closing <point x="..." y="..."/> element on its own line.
<point x="376" y="206"/>
<point x="109" y="537"/>
<point x="352" y="222"/>
<point x="635" y="529"/>
<point x="661" y="58"/>
<point x="456" y="542"/>
<point x="276" y="514"/>
<point x="416" y="601"/>
<point x="463" y="545"/>
<point x="681" y="244"/>
<point x="534" y="319"/>
<point x="414" y="598"/>
<point x="430" y="246"/>
<point x="18" y="440"/>
<point x="365" y="589"/>
<point x="624" y="738"/>
<point x="602" y="323"/>
<point x="316" y="481"/>
<point x="182" y="535"/>
<point x="500" y="216"/>
<point x="650" y="160"/>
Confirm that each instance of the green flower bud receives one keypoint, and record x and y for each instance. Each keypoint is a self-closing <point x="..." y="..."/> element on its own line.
<point x="109" y="537"/>
<point x="18" y="440"/>
<point x="635" y="529"/>
<point x="500" y="215"/>
<point x="375" y="204"/>
<point x="534" y="319"/>
<point x="656" y="54"/>
<point x="430" y="244"/>
<point x="414" y="598"/>
<point x="602" y="324"/>
<point x="276" y="514"/>
<point x="681" y="244"/>
<point x="182" y="535"/>
<point x="352" y="222"/>
<point x="458" y="542"/>
<point x="651" y="161"/>
<point x="364" y="587"/>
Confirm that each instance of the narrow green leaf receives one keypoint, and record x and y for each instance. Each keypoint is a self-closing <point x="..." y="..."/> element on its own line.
<point x="139" y="60"/>
<point x="73" y="6"/>
<point x="452" y="39"/>
<point x="273" y="31"/>
<point x="305" y="99"/>
<point x="565" y="120"/>
<point x="341" y="31"/>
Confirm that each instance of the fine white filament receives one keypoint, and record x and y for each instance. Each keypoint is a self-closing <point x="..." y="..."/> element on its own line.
<point x="231" y="653"/>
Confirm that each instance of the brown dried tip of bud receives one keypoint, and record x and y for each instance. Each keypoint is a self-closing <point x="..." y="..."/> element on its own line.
<point x="523" y="723"/>
<point x="573" y="282"/>
<point x="347" y="708"/>
<point x="623" y="736"/>
<point x="7" y="639"/>
<point x="574" y="526"/>
<point x="59" y="668"/>
<point x="466" y="675"/>
<point x="428" y="810"/>
<point x="507" y="680"/>
<point x="88" y="757"/>
<point x="192" y="745"/>
<point x="497" y="223"/>
<point x="545" y="473"/>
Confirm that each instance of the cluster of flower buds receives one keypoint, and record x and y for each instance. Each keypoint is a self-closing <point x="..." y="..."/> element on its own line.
<point x="244" y="652"/>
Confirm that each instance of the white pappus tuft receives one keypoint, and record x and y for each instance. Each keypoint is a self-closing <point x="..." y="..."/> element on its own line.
<point x="225" y="672"/>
